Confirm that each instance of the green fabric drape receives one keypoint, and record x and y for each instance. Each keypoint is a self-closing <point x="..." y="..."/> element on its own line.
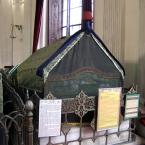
<point x="26" y="72"/>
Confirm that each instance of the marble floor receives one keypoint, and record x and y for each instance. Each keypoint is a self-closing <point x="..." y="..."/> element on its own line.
<point x="139" y="141"/>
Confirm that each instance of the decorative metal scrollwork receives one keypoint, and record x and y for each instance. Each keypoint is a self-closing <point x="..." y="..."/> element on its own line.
<point x="80" y="102"/>
<point x="65" y="129"/>
<point x="68" y="106"/>
<point x="13" y="121"/>
<point x="50" y="96"/>
<point x="93" y="124"/>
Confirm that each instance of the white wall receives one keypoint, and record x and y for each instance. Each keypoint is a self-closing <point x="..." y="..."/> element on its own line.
<point x="16" y="51"/>
<point x="18" y="42"/>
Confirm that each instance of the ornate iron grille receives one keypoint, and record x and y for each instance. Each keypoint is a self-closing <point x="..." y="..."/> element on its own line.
<point x="17" y="125"/>
<point x="80" y="106"/>
<point x="12" y="129"/>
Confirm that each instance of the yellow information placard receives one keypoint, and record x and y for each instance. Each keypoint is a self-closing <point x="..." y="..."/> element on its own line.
<point x="108" y="108"/>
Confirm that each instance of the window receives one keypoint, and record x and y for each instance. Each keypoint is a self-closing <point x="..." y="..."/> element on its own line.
<point x="59" y="18"/>
<point x="72" y="16"/>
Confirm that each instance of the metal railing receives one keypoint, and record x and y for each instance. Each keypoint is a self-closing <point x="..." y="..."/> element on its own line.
<point x="80" y="111"/>
<point x="17" y="128"/>
<point x="21" y="128"/>
<point x="16" y="122"/>
<point x="20" y="125"/>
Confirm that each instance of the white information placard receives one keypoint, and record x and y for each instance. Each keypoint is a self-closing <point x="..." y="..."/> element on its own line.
<point x="49" y="118"/>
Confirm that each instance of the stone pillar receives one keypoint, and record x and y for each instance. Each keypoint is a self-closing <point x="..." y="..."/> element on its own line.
<point x="29" y="18"/>
<point x="109" y="25"/>
<point x="29" y="128"/>
<point x="131" y="40"/>
<point x="98" y="17"/>
<point x="117" y="23"/>
<point x="113" y="27"/>
<point x="141" y="51"/>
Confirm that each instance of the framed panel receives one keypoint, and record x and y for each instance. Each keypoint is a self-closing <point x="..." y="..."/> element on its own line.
<point x="131" y="105"/>
<point x="108" y="110"/>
